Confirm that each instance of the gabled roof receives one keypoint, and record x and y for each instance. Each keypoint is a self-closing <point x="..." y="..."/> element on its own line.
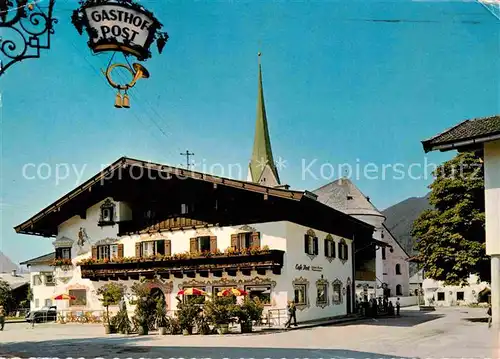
<point x="467" y="133"/>
<point x="45" y="259"/>
<point x="119" y="179"/>
<point x="15" y="281"/>
<point x="344" y="196"/>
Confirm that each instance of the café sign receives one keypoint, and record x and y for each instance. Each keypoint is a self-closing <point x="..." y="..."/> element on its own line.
<point x="308" y="268"/>
<point x="119" y="25"/>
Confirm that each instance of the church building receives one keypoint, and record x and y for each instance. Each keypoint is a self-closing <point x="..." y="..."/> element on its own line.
<point x="177" y="228"/>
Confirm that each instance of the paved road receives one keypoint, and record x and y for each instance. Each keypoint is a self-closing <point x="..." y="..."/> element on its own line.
<point x="440" y="334"/>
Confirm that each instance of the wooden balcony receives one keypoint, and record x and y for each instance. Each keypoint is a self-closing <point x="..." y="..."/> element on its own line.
<point x="187" y="267"/>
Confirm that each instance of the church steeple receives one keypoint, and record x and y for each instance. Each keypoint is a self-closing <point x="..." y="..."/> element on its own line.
<point x="262" y="169"/>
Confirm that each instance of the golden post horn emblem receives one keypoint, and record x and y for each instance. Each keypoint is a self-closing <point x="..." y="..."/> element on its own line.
<point x="137" y="71"/>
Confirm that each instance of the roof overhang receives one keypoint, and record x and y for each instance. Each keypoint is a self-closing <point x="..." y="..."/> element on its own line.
<point x="470" y="143"/>
<point x="113" y="179"/>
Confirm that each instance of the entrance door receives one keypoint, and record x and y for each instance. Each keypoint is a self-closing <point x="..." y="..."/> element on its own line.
<point x="348" y="299"/>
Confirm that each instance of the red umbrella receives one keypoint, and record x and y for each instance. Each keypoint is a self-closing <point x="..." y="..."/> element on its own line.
<point x="232" y="291"/>
<point x="191" y="291"/>
<point x="64" y="297"/>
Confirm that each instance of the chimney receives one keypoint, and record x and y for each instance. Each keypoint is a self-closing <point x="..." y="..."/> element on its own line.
<point x="14" y="273"/>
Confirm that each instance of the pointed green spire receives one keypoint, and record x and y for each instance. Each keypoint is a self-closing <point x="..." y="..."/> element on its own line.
<point x="262" y="167"/>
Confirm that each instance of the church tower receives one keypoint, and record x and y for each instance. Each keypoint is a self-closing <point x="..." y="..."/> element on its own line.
<point x="262" y="169"/>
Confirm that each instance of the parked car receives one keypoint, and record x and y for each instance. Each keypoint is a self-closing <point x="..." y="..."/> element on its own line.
<point x="46" y="314"/>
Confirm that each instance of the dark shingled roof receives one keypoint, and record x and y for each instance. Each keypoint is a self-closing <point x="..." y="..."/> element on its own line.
<point x="465" y="133"/>
<point x="46" y="258"/>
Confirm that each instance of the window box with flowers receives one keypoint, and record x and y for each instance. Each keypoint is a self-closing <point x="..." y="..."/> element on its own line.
<point x="64" y="264"/>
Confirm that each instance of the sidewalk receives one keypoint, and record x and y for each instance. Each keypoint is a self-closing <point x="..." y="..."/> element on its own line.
<point x="311" y="324"/>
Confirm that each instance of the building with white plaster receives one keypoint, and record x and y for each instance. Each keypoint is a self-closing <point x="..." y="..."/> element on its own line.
<point x="388" y="271"/>
<point x="175" y="228"/>
<point x="483" y="135"/>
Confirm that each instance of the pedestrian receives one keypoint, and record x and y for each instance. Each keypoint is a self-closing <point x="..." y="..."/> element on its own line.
<point x="291" y="314"/>
<point x="2" y="317"/>
<point x="489" y="315"/>
<point x="398" y="306"/>
<point x="390" y="308"/>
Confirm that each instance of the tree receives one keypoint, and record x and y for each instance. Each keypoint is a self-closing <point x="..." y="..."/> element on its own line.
<point x="6" y="297"/>
<point x="450" y="237"/>
<point x="111" y="294"/>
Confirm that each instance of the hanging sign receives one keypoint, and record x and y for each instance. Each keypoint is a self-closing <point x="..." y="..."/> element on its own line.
<point x="119" y="25"/>
<point x="308" y="268"/>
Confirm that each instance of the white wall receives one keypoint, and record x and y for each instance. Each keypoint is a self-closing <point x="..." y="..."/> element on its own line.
<point x="330" y="271"/>
<point x="404" y="301"/>
<point x="431" y="289"/>
<point x="492" y="196"/>
<point x="41" y="292"/>
<point x="398" y="256"/>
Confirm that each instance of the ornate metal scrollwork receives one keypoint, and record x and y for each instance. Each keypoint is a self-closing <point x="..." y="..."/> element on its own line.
<point x="25" y="30"/>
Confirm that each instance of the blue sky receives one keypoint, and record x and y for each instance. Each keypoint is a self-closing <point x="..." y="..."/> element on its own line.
<point x="338" y="89"/>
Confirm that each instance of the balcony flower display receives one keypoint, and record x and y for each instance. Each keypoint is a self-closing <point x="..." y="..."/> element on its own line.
<point x="63" y="263"/>
<point x="179" y="256"/>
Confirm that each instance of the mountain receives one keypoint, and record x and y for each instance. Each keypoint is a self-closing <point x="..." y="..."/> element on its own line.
<point x="399" y="221"/>
<point x="6" y="265"/>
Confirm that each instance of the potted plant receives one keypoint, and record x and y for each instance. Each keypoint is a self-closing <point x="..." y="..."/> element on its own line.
<point x="186" y="314"/>
<point x="121" y="321"/>
<point x="220" y="311"/>
<point x="110" y="294"/>
<point x="142" y="304"/>
<point x="161" y="317"/>
<point x="202" y="324"/>
<point x="248" y="312"/>
<point x="173" y="326"/>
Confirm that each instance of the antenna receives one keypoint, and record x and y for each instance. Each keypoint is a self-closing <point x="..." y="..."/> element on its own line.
<point x="187" y="154"/>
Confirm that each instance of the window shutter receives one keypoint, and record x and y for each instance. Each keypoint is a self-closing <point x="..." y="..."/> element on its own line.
<point x="256" y="239"/>
<point x="94" y="252"/>
<point x="315" y="243"/>
<point x="346" y="251"/>
<point x="58" y="253"/>
<point x="306" y="244"/>
<point x="193" y="248"/>
<point x="168" y="247"/>
<point x="340" y="251"/>
<point x="138" y="250"/>
<point x="120" y="250"/>
<point x="234" y="241"/>
<point x="213" y="243"/>
<point x="326" y="244"/>
<point x="333" y="249"/>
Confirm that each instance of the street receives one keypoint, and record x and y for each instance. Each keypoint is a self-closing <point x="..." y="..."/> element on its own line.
<point x="445" y="333"/>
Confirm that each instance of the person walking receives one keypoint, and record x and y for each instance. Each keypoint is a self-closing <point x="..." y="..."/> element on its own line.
<point x="489" y="315"/>
<point x="398" y="306"/>
<point x="2" y="317"/>
<point x="291" y="314"/>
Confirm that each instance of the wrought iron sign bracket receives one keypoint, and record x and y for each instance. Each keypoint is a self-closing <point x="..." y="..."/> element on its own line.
<point x="25" y="30"/>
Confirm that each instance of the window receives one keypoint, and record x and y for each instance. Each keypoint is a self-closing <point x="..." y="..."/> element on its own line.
<point x="263" y="292"/>
<point x="399" y="290"/>
<point x="244" y="240"/>
<point x="321" y="293"/>
<point x="107" y="251"/>
<point x="48" y="302"/>
<point x="63" y="253"/>
<point x="49" y="279"/>
<point x="460" y="295"/>
<point x="337" y="292"/>
<point x="107" y="213"/>
<point x="203" y="244"/>
<point x="300" y="294"/>
<point x="398" y="268"/>
<point x="185" y="208"/>
<point x="80" y="297"/>
<point x="440" y="296"/>
<point x="311" y="244"/>
<point x="343" y="250"/>
<point x="383" y="252"/>
<point x="37" y="280"/>
<point x="329" y="247"/>
<point x="150" y="248"/>
<point x="37" y="303"/>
